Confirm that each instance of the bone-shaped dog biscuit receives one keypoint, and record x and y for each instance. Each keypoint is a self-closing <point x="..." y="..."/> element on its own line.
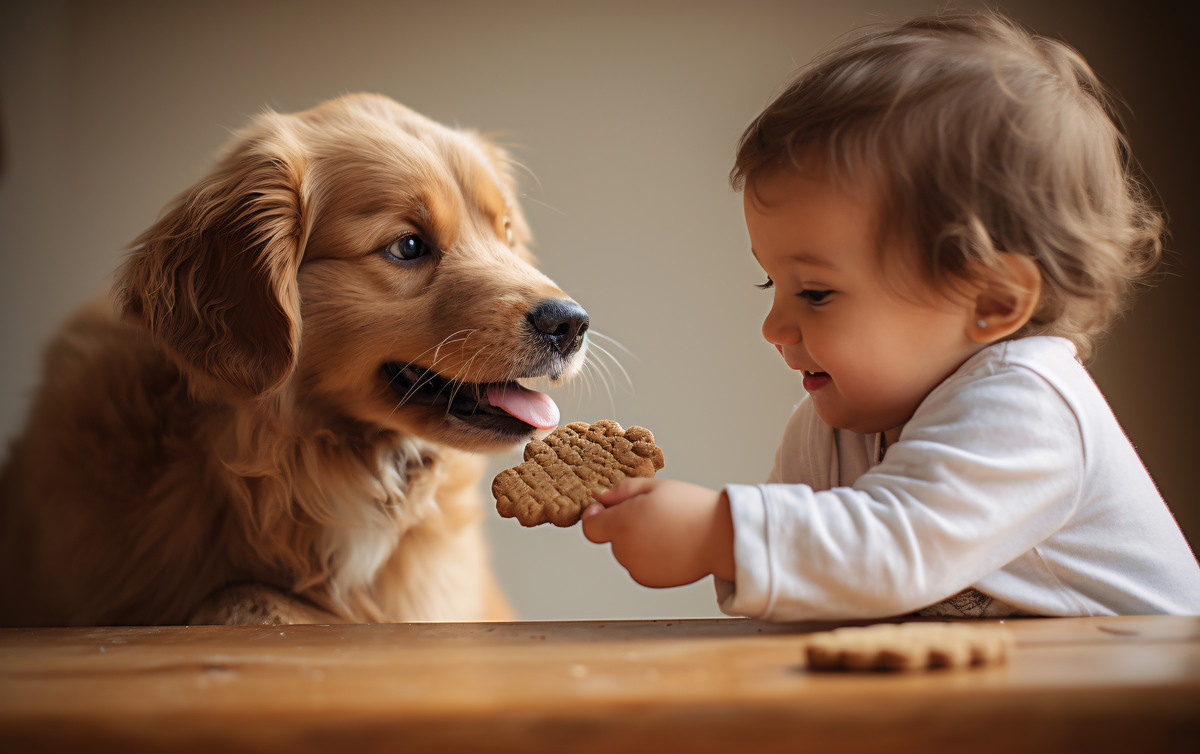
<point x="562" y="473"/>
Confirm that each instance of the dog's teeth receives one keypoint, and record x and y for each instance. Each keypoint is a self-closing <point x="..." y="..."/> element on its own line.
<point x="538" y="383"/>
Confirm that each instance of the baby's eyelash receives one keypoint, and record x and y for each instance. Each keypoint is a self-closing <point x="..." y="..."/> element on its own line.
<point x="765" y="286"/>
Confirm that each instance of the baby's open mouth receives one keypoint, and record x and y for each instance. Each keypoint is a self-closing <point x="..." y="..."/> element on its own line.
<point x="421" y="386"/>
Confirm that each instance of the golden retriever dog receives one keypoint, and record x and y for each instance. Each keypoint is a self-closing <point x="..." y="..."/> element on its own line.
<point x="280" y="420"/>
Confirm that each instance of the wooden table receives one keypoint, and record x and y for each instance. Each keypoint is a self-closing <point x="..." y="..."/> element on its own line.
<point x="1079" y="684"/>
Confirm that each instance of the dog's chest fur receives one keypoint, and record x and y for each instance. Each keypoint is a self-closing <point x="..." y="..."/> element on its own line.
<point x="197" y="496"/>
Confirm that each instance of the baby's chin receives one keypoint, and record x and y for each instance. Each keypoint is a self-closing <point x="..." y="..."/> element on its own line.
<point x="838" y="418"/>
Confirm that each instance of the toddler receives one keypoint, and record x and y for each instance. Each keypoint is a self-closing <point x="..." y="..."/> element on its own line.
<point x="948" y="218"/>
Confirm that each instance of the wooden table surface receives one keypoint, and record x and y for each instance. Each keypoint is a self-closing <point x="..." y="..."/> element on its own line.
<point x="1072" y="684"/>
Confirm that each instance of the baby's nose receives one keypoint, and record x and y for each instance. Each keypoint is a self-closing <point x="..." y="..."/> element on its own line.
<point x="780" y="332"/>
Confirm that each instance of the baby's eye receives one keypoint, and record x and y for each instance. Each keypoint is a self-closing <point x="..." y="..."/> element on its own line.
<point x="814" y="296"/>
<point x="765" y="286"/>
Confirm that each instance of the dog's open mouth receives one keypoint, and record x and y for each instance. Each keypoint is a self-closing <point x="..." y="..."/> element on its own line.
<point x="505" y="406"/>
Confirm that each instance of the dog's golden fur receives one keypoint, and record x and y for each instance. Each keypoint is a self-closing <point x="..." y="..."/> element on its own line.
<point x="223" y="447"/>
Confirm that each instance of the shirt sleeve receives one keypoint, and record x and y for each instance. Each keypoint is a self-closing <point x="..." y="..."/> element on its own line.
<point x="986" y="469"/>
<point x="805" y="454"/>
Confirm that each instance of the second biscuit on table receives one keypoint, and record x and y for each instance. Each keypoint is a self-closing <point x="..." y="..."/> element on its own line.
<point x="908" y="646"/>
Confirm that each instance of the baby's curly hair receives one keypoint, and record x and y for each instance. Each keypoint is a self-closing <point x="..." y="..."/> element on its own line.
<point x="981" y="138"/>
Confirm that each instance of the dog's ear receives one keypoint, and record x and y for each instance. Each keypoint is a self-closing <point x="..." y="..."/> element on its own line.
<point x="215" y="278"/>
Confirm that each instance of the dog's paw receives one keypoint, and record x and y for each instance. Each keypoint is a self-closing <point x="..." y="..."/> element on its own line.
<point x="254" y="604"/>
<point x="562" y="473"/>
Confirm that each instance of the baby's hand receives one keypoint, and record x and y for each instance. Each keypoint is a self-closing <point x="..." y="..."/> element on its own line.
<point x="664" y="532"/>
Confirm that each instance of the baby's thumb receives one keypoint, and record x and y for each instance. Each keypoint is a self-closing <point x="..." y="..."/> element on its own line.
<point x="625" y="490"/>
<point x="595" y="524"/>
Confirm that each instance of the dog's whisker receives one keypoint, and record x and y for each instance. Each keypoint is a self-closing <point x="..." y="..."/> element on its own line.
<point x="444" y="342"/>
<point x="589" y="377"/>
<point x="424" y="378"/>
<point x="451" y="338"/>
<point x="454" y="382"/>
<point x="417" y="384"/>
<point x="612" y="340"/>
<point x="616" y="362"/>
<point x="550" y="207"/>
<point x="596" y="371"/>
<point x="428" y="376"/>
<point x="604" y="377"/>
<point x="457" y="385"/>
<point x="524" y="168"/>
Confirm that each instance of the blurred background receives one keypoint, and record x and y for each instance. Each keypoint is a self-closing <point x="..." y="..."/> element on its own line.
<point x="626" y="114"/>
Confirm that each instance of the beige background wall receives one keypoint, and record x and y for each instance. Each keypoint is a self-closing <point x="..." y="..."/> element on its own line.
<point x="627" y="114"/>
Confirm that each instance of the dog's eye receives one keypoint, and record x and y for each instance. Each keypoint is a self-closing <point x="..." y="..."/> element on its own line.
<point x="407" y="248"/>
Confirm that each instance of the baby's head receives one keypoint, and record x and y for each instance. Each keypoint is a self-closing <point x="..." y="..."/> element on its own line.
<point x="978" y="140"/>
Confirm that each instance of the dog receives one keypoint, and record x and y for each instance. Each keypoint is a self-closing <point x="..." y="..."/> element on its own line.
<point x="280" y="414"/>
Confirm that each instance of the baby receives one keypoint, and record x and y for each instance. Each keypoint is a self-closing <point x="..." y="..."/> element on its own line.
<point x="948" y="218"/>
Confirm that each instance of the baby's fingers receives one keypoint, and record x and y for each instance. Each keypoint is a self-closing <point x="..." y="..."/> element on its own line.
<point x="625" y="490"/>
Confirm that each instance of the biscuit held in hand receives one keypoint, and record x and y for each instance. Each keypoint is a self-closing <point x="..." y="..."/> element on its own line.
<point x="564" y="472"/>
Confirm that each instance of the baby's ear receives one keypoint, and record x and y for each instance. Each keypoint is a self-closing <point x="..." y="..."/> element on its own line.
<point x="1006" y="299"/>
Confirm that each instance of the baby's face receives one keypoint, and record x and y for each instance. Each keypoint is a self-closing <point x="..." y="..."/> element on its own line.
<point x="869" y="355"/>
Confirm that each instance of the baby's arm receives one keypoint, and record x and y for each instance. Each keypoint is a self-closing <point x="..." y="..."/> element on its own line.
<point x="982" y="474"/>
<point x="664" y="532"/>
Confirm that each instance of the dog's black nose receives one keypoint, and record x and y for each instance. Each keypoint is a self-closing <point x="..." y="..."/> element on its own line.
<point x="561" y="322"/>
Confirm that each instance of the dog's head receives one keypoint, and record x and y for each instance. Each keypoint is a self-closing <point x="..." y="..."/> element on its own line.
<point x="364" y="264"/>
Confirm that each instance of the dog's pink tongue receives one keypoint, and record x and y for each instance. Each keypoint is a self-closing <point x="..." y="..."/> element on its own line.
<point x="529" y="406"/>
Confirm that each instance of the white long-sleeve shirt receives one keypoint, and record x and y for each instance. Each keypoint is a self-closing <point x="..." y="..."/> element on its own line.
<point x="1013" y="477"/>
